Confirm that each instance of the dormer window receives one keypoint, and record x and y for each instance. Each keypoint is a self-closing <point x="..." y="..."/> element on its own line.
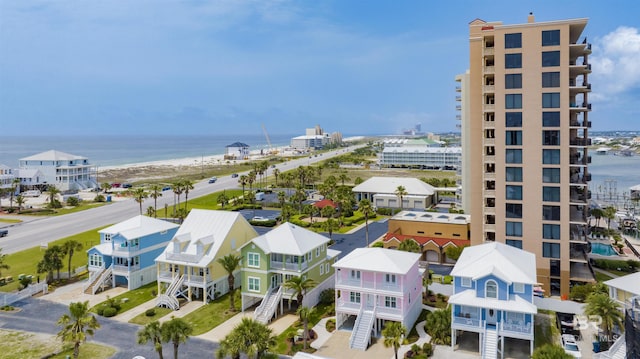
<point x="491" y="289"/>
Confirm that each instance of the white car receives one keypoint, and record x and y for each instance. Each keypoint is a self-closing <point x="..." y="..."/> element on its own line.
<point x="570" y="345"/>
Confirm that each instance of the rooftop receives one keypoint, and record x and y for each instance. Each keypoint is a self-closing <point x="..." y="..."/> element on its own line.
<point x="389" y="185"/>
<point x="379" y="260"/>
<point x="511" y="264"/>
<point x="53" y="155"/>
<point x="432" y="217"/>
<point x="139" y="226"/>
<point x="288" y="238"/>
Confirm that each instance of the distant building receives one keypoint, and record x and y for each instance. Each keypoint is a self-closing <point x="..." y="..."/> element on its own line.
<point x="31" y="179"/>
<point x="444" y="158"/>
<point x="7" y="176"/>
<point x="237" y="151"/>
<point x="65" y="171"/>
<point x="381" y="192"/>
<point x="433" y="232"/>
<point x="315" y="139"/>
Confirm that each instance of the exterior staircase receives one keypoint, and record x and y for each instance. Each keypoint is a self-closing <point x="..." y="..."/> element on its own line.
<point x="268" y="306"/>
<point x="168" y="298"/>
<point x="361" y="334"/>
<point x="490" y="345"/>
<point x="97" y="279"/>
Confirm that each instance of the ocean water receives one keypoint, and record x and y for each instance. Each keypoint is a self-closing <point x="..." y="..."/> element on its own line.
<point x="120" y="150"/>
<point x="611" y="173"/>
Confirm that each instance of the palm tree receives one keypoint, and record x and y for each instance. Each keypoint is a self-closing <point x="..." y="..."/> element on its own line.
<point x="3" y="192"/>
<point x="243" y="181"/>
<point x="409" y="245"/>
<point x="250" y="179"/>
<point x="305" y="314"/>
<point x="14" y="186"/>
<point x="299" y="287"/>
<point x="393" y="334"/>
<point x="68" y="249"/>
<point x="601" y="305"/>
<point x="609" y="213"/>
<point x="401" y="192"/>
<point x="155" y="191"/>
<point x="276" y="173"/>
<point x="230" y="263"/>
<point x="597" y="213"/>
<point x="343" y="177"/>
<point x="222" y="199"/>
<point x="551" y="351"/>
<point x="367" y="209"/>
<point x="330" y="225"/>
<point x="139" y="195"/>
<point x="327" y="211"/>
<point x="177" y="191"/>
<point x="176" y="331"/>
<point x="187" y="186"/>
<point x="151" y="212"/>
<point x="281" y="198"/>
<point x="77" y="325"/>
<point x="52" y="192"/>
<point x="105" y="186"/>
<point x="438" y="325"/>
<point x="250" y="337"/>
<point x="51" y="261"/>
<point x="20" y="201"/>
<point x="152" y="332"/>
<point x="3" y="264"/>
<point x="181" y="214"/>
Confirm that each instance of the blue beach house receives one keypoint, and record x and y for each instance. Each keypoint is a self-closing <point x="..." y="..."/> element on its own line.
<point x="127" y="252"/>
<point x="493" y="297"/>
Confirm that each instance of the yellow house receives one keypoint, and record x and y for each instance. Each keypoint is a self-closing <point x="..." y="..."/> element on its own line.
<point x="189" y="266"/>
<point x="622" y="289"/>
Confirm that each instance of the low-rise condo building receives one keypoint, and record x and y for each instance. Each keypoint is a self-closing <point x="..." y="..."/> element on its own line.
<point x="383" y="192"/>
<point x="63" y="170"/>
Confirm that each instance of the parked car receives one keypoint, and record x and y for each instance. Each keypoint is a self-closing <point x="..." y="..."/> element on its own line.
<point x="4" y="232"/>
<point x="127" y="185"/>
<point x="166" y="188"/>
<point x="570" y="345"/>
<point x="259" y="219"/>
<point x="213" y="179"/>
<point x="234" y="175"/>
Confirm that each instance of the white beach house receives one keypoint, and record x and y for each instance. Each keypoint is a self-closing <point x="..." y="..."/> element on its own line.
<point x="63" y="170"/>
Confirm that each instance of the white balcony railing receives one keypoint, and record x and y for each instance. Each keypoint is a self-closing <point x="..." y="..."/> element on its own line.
<point x="126" y="249"/>
<point x="348" y="305"/>
<point x="469" y="322"/>
<point x="521" y="328"/>
<point x="126" y="269"/>
<point x="388" y="310"/>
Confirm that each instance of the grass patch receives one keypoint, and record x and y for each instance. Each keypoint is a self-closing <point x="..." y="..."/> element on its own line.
<point x="213" y="314"/>
<point x="10" y="220"/>
<point x="413" y="334"/>
<point x="26" y="262"/>
<point x="135" y="297"/>
<point x="210" y="201"/>
<point x="26" y="345"/>
<point x="601" y="277"/>
<point x="143" y="319"/>
<point x="88" y="351"/>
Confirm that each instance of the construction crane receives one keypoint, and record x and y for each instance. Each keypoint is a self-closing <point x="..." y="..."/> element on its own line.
<point x="271" y="150"/>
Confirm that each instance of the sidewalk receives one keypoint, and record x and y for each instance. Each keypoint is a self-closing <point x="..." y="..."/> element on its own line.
<point x="321" y="332"/>
<point x="73" y="293"/>
<point x="135" y="311"/>
<point x="218" y="333"/>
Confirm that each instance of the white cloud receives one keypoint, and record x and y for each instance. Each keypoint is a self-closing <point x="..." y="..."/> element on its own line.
<point x="616" y="69"/>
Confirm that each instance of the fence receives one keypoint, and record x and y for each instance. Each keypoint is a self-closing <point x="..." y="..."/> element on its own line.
<point x="11" y="298"/>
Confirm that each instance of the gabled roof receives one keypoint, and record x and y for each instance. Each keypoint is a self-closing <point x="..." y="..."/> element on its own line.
<point x="205" y="229"/>
<point x="424" y="240"/>
<point x="389" y="185"/>
<point x="53" y="155"/>
<point x="514" y="304"/>
<point x="511" y="264"/>
<point x="379" y="260"/>
<point x="288" y="238"/>
<point x="629" y="283"/>
<point x="325" y="202"/>
<point x="139" y="226"/>
<point x="238" y="144"/>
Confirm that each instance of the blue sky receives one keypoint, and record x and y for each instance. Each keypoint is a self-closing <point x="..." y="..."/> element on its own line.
<point x="198" y="67"/>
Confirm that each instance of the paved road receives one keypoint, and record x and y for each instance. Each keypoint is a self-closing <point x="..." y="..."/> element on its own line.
<point x="34" y="233"/>
<point x="40" y="316"/>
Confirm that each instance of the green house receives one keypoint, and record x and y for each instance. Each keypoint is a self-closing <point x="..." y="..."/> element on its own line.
<point x="272" y="258"/>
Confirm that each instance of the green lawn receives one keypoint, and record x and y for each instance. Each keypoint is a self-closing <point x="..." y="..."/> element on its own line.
<point x="143" y="319"/>
<point x="10" y="220"/>
<point x="88" y="351"/>
<point x="210" y="201"/>
<point x="213" y="314"/>
<point x="134" y="297"/>
<point x="66" y="210"/>
<point x="601" y="277"/>
<point x="26" y="262"/>
<point x="28" y="345"/>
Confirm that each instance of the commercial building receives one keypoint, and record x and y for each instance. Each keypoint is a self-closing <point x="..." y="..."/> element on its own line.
<point x="526" y="124"/>
<point x="382" y="192"/>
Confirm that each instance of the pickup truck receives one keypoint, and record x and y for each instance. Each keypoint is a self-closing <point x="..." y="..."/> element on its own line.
<point x="4" y="232"/>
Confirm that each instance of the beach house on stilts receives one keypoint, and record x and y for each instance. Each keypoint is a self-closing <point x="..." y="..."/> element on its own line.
<point x="188" y="267"/>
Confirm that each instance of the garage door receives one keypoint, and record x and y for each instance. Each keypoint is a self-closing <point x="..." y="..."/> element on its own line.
<point x="432" y="256"/>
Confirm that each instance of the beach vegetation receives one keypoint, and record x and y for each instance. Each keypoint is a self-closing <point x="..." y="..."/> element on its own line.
<point x="299" y="286"/>
<point x="155" y="192"/>
<point x="52" y="197"/>
<point x="77" y="325"/>
<point x="250" y="337"/>
<point x="176" y="331"/>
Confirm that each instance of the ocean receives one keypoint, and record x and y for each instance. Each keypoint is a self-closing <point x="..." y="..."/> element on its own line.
<point x="118" y="150"/>
<point x="611" y="173"/>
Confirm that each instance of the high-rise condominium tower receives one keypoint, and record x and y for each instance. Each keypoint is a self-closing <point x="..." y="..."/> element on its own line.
<point x="525" y="122"/>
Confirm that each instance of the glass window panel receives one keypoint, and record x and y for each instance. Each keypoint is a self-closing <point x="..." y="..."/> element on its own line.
<point x="513" y="41"/>
<point x="513" y="156"/>
<point x="551" y="157"/>
<point x="551" y="38"/>
<point x="550" y="58"/>
<point x="514" y="174"/>
<point x="551" y="79"/>
<point x="551" y="175"/>
<point x="551" y="194"/>
<point x="551" y="119"/>
<point x="513" y="61"/>
<point x="513" y="101"/>
<point x="551" y="231"/>
<point x="513" y="119"/>
<point x="514" y="192"/>
<point x="513" y="81"/>
<point x="551" y="100"/>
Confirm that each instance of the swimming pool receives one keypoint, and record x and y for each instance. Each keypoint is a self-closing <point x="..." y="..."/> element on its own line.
<point x="603" y="249"/>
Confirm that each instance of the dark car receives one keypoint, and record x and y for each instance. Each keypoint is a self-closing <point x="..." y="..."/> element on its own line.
<point x="4" y="232"/>
<point x="234" y="175"/>
<point x="166" y="188"/>
<point x="213" y="179"/>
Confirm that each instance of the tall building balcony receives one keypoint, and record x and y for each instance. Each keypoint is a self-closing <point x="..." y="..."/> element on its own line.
<point x="580" y="107"/>
<point x="580" y="142"/>
<point x="488" y="51"/>
<point x="489" y="70"/>
<point x="576" y="124"/>
<point x="488" y="107"/>
<point x="458" y="89"/>
<point x="579" y="87"/>
<point x="458" y="98"/>
<point x="489" y="88"/>
<point x="580" y="160"/>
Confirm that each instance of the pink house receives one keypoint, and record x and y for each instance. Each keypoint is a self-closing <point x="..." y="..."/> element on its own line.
<point x="375" y="285"/>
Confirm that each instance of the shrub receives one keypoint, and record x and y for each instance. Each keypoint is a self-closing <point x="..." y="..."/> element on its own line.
<point x="331" y="325"/>
<point x="378" y="245"/>
<point x="447" y="279"/>
<point x="150" y="312"/>
<point x="73" y="201"/>
<point x="109" y="312"/>
<point x="427" y="349"/>
<point x="580" y="292"/>
<point x="328" y="296"/>
<point x="100" y="310"/>
<point x="154" y="292"/>
<point x="99" y="198"/>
